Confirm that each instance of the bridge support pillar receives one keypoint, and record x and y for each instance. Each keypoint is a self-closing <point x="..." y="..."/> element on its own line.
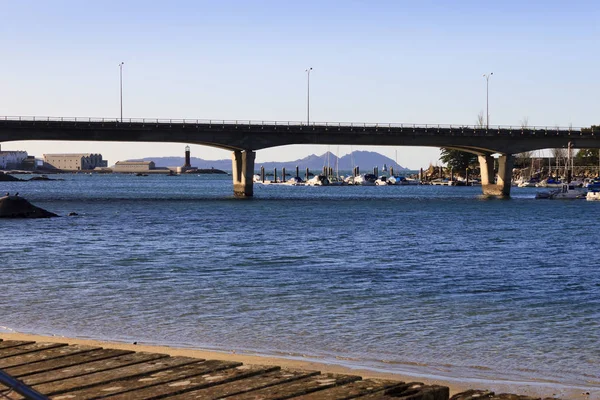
<point x="242" y="163"/>
<point x="500" y="188"/>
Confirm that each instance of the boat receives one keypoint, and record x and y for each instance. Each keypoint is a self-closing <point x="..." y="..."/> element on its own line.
<point x="593" y="190"/>
<point x="532" y="182"/>
<point x="397" y="180"/>
<point x="549" y="183"/>
<point x="567" y="191"/>
<point x="336" y="181"/>
<point x="439" y="182"/>
<point x="295" y="181"/>
<point x="318" y="180"/>
<point x="411" y="181"/>
<point x="365" y="180"/>
<point x="349" y="180"/>
<point x="381" y="181"/>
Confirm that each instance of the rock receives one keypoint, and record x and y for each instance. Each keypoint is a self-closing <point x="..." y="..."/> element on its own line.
<point x="8" y="178"/>
<point x="18" y="207"/>
<point x="72" y="214"/>
<point x="475" y="394"/>
<point x="43" y="178"/>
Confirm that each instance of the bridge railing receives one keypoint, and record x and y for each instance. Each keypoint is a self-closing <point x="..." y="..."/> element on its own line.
<point x="283" y="123"/>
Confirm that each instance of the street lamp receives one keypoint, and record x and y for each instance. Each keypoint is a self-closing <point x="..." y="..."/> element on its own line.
<point x="121" y="87"/>
<point x="308" y="95"/>
<point x="487" y="98"/>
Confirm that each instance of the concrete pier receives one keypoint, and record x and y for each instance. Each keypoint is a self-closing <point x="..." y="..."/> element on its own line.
<point x="242" y="168"/>
<point x="499" y="187"/>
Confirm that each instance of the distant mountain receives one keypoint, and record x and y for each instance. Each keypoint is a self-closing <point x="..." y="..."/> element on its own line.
<point x="366" y="160"/>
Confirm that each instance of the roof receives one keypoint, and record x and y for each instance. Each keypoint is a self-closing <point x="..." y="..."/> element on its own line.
<point x="71" y="155"/>
<point x="134" y="162"/>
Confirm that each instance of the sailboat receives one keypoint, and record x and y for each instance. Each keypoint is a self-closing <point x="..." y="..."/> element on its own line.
<point x="566" y="191"/>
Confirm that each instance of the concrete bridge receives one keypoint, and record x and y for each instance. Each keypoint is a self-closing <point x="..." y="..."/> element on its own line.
<point x="243" y="138"/>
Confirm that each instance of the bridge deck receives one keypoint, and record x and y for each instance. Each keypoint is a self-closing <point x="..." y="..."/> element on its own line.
<point x="256" y="135"/>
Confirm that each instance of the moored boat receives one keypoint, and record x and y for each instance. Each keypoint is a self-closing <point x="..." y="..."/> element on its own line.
<point x="365" y="180"/>
<point x="593" y="190"/>
<point x="318" y="180"/>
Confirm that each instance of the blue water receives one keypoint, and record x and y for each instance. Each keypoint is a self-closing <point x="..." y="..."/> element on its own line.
<point x="425" y="280"/>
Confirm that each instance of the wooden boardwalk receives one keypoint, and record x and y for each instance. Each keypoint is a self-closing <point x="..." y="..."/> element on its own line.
<point x="60" y="371"/>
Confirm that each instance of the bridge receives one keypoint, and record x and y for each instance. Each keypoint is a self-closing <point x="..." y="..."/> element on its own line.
<point x="244" y="138"/>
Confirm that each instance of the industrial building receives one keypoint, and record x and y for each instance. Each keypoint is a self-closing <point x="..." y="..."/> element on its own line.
<point x="74" y="162"/>
<point x="134" y="166"/>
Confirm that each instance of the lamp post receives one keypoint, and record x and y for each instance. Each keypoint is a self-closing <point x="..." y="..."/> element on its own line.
<point x="121" y="87"/>
<point x="487" y="98"/>
<point x="308" y="95"/>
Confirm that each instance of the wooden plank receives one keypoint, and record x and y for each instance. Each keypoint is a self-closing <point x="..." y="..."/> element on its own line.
<point x="151" y="380"/>
<point x="353" y="389"/>
<point x="297" y="388"/>
<point x="411" y="391"/>
<point x="68" y="361"/>
<point x="196" y="382"/>
<point x="7" y="344"/>
<point x="139" y="369"/>
<point x="90" y="368"/>
<point x="28" y="348"/>
<point x="48" y="354"/>
<point x="5" y="392"/>
<point x="246" y="385"/>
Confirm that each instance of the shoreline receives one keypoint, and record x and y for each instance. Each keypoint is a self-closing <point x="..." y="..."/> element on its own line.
<point x="534" y="389"/>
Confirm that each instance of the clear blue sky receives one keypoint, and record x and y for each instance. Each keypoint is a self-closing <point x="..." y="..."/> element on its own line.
<point x="374" y="61"/>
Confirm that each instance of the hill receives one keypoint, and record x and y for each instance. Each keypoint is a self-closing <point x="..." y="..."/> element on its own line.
<point x="366" y="160"/>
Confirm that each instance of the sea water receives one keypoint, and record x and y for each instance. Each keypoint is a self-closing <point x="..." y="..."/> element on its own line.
<point x="424" y="280"/>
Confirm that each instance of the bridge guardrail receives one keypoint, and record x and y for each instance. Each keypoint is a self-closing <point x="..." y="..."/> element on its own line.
<point x="283" y="123"/>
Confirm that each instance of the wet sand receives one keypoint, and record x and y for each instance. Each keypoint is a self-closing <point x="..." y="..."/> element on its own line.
<point x="536" y="389"/>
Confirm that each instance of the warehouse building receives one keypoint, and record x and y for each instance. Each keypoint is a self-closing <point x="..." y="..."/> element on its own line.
<point x="74" y="162"/>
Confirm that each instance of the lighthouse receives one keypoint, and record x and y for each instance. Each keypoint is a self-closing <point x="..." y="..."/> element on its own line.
<point x="187" y="158"/>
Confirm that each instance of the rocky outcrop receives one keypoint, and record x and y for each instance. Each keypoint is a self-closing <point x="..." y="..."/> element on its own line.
<point x="8" y="178"/>
<point x="18" y="207"/>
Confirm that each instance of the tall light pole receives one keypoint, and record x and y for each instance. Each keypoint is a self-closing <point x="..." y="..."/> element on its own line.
<point x="487" y="98"/>
<point x="308" y="95"/>
<point x="121" y="87"/>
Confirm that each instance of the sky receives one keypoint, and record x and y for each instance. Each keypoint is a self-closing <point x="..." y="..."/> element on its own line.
<point x="373" y="61"/>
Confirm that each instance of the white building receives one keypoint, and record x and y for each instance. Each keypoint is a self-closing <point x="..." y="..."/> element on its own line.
<point x="74" y="162"/>
<point x="12" y="159"/>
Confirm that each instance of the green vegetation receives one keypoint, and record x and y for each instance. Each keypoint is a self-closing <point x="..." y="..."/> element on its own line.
<point x="588" y="156"/>
<point x="459" y="160"/>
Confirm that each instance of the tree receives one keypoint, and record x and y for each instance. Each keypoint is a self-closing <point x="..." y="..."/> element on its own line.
<point x="523" y="159"/>
<point x="593" y="128"/>
<point x="459" y="160"/>
<point x="587" y="157"/>
<point x="480" y="120"/>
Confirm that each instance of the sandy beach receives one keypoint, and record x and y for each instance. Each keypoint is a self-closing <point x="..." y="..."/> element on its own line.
<point x="523" y="388"/>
